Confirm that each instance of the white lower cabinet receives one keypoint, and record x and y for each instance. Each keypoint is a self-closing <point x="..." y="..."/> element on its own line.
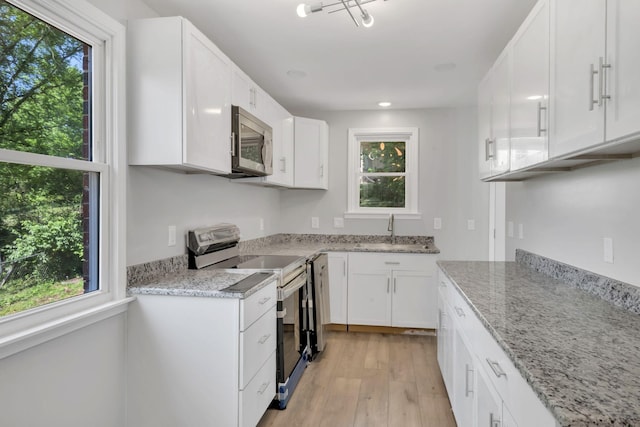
<point x="338" y="263"/>
<point x="391" y="289"/>
<point x="484" y="386"/>
<point x="197" y="361"/>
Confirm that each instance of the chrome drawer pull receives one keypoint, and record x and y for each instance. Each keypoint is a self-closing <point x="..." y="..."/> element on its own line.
<point x="494" y="421"/>
<point x="467" y="391"/>
<point x="263" y="387"/>
<point x="392" y="263"/>
<point x="264" y="300"/>
<point x="495" y="367"/>
<point x="264" y="338"/>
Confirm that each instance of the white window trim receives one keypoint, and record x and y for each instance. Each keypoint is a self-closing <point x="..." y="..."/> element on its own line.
<point x="408" y="134"/>
<point x="107" y="36"/>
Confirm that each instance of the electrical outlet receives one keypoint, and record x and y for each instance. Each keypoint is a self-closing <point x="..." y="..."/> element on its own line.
<point x="172" y="235"/>
<point x="315" y="222"/>
<point x="261" y="224"/>
<point x="338" y="222"/>
<point x="471" y="224"/>
<point x="510" y="229"/>
<point x="608" y="250"/>
<point x="520" y="231"/>
<point x="437" y="223"/>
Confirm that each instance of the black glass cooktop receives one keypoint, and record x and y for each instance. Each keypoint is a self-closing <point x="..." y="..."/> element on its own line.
<point x="260" y="262"/>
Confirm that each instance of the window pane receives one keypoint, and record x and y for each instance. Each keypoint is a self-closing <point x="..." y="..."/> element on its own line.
<point x="382" y="192"/>
<point x="44" y="88"/>
<point x="48" y="235"/>
<point x="382" y="156"/>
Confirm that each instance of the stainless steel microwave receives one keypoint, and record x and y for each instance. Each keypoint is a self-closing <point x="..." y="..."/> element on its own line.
<point x="252" y="145"/>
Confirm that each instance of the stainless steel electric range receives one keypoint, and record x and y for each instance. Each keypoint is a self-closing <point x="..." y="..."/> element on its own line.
<point x="216" y="247"/>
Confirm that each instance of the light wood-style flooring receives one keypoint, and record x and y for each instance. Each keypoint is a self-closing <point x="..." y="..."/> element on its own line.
<point x="368" y="380"/>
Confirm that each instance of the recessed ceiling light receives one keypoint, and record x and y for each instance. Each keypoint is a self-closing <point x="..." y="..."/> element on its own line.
<point x="296" y="74"/>
<point x="384" y="104"/>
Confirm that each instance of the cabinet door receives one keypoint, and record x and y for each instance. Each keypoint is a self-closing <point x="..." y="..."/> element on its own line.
<point x="500" y="125"/>
<point x="623" y="84"/>
<point x="577" y="43"/>
<point x="484" y="126"/>
<point x="338" y="287"/>
<point x="464" y="381"/>
<point x="282" y="124"/>
<point x="414" y="301"/>
<point x="530" y="89"/>
<point x="241" y="93"/>
<point x="369" y="297"/>
<point x="488" y="402"/>
<point x="311" y="153"/>
<point x="207" y="74"/>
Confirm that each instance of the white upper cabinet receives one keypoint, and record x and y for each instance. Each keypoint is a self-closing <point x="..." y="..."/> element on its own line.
<point x="577" y="44"/>
<point x="530" y="89"/>
<point x="311" y="152"/>
<point x="248" y="95"/>
<point x="594" y="80"/>
<point x="493" y="116"/>
<point x="179" y="94"/>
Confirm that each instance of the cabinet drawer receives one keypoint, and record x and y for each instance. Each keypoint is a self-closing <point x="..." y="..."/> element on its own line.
<point x="359" y="261"/>
<point x="257" y="304"/>
<point x="256" y="397"/>
<point x="256" y="344"/>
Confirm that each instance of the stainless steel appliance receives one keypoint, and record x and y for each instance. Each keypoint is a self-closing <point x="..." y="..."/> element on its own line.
<point x="292" y="345"/>
<point x="317" y="302"/>
<point x="251" y="145"/>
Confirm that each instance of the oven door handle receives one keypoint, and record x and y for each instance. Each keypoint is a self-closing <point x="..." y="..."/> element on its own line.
<point x="288" y="290"/>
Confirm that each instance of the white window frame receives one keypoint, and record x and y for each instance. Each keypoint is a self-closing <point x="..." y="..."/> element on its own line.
<point x="107" y="38"/>
<point x="408" y="135"/>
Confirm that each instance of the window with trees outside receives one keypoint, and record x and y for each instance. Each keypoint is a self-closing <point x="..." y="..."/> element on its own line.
<point x="54" y="167"/>
<point x="383" y="171"/>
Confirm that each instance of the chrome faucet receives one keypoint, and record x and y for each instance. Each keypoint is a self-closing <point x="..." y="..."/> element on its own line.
<point x="390" y="228"/>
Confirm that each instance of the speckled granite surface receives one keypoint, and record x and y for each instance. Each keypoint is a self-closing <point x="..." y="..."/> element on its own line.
<point x="579" y="353"/>
<point x="616" y="292"/>
<point x="195" y="283"/>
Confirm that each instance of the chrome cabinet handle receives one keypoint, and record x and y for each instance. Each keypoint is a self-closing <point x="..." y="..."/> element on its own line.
<point x="263" y="387"/>
<point x="540" y="110"/>
<point x="263" y="301"/>
<point x="460" y="312"/>
<point x="321" y="170"/>
<point x="388" y="282"/>
<point x="467" y="391"/>
<point x="264" y="338"/>
<point x="602" y="95"/>
<point x="394" y="285"/>
<point x="283" y="164"/>
<point x="592" y="73"/>
<point x="487" y="149"/>
<point x="494" y="421"/>
<point x="392" y="263"/>
<point x="496" y="368"/>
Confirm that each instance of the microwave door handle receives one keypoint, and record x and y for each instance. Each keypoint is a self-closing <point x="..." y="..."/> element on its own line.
<point x="233" y="144"/>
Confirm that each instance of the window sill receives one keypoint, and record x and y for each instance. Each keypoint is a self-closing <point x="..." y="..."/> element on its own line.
<point x="23" y="340"/>
<point x="382" y="215"/>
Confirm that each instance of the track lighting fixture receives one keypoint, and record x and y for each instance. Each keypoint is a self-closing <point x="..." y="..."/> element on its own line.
<point x="366" y="18"/>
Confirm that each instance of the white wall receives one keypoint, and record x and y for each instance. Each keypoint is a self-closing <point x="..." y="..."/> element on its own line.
<point x="448" y="175"/>
<point x="566" y="216"/>
<point x="76" y="380"/>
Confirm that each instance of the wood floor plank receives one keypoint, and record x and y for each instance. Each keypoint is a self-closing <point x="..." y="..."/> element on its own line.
<point x="404" y="406"/>
<point x="373" y="400"/>
<point x="369" y="379"/>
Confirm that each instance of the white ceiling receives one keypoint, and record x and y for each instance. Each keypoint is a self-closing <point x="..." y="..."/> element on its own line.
<point x="405" y="58"/>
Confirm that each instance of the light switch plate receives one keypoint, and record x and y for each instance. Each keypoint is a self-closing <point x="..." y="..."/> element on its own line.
<point x="520" y="231"/>
<point x="261" y="224"/>
<point x="315" y="222"/>
<point x="338" y="222"/>
<point x="608" y="249"/>
<point x="471" y="224"/>
<point x="437" y="223"/>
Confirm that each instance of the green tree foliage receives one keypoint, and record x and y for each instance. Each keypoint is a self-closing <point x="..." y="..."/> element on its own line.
<point x="41" y="111"/>
<point x="382" y="158"/>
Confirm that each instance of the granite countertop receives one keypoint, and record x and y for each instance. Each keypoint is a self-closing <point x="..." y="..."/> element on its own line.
<point x="196" y="283"/>
<point x="309" y="244"/>
<point x="579" y="353"/>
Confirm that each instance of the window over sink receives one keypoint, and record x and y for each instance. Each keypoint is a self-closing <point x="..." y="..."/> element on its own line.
<point x="383" y="172"/>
